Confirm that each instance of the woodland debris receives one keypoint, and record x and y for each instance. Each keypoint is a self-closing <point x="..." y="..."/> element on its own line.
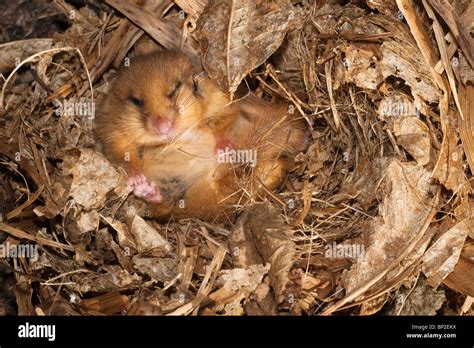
<point x="14" y="52"/>
<point x="375" y="218"/>
<point x="259" y="238"/>
<point x="238" y="36"/>
<point x="418" y="299"/>
<point x="460" y="279"/>
<point x="441" y="258"/>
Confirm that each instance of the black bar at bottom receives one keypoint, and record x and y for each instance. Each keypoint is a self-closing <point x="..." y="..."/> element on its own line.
<point x="291" y="331"/>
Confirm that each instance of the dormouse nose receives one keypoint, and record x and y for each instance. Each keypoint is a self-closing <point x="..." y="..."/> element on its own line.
<point x="163" y="125"/>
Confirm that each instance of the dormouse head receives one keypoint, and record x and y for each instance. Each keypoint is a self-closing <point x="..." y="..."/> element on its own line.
<point x="160" y="97"/>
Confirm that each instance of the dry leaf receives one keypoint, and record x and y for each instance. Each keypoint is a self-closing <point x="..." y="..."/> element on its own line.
<point x="88" y="221"/>
<point x="241" y="283"/>
<point x="373" y="306"/>
<point x="238" y="278"/>
<point x="161" y="269"/>
<point x="466" y="126"/>
<point x="239" y="35"/>
<point x="20" y="50"/>
<point x="448" y="169"/>
<point x="387" y="7"/>
<point x="260" y="231"/>
<point x="114" y="279"/>
<point x="422" y="300"/>
<point x="461" y="279"/>
<point x="402" y="215"/>
<point x="366" y="70"/>
<point x="148" y="239"/>
<point x="441" y="258"/>
<point x="362" y="66"/>
<point x="365" y="181"/>
<point x="58" y="197"/>
<point x="93" y="177"/>
<point x="124" y="236"/>
<point x="158" y="28"/>
<point x="413" y="134"/>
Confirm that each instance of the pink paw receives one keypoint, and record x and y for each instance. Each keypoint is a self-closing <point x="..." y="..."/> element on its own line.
<point x="142" y="188"/>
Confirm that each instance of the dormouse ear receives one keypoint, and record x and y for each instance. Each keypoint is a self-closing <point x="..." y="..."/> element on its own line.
<point x="197" y="79"/>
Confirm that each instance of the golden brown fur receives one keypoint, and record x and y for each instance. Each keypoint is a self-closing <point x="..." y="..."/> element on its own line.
<point x="203" y="187"/>
<point x="193" y="180"/>
<point x="124" y="128"/>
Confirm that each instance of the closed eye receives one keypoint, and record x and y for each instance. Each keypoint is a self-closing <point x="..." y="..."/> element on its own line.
<point x="175" y="90"/>
<point x="136" y="101"/>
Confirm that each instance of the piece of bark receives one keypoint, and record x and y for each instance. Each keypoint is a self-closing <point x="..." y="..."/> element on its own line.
<point x="110" y="303"/>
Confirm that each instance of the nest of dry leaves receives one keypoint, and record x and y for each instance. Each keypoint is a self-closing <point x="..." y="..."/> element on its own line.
<point x="376" y="217"/>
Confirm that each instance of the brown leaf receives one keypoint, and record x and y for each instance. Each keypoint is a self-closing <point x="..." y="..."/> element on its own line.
<point x="368" y="65"/>
<point x="466" y="126"/>
<point x="448" y="169"/>
<point x="157" y="268"/>
<point x="239" y="35"/>
<point x="443" y="255"/>
<point x="402" y="215"/>
<point x="115" y="278"/>
<point x="58" y="197"/>
<point x="373" y="306"/>
<point x="148" y="239"/>
<point x="364" y="184"/>
<point x="387" y="7"/>
<point x="158" y="28"/>
<point x="239" y="284"/>
<point x="88" y="221"/>
<point x="413" y="135"/>
<point x="420" y="300"/>
<point x="461" y="279"/>
<point x="262" y="233"/>
<point x="361" y="67"/>
<point x="93" y="177"/>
